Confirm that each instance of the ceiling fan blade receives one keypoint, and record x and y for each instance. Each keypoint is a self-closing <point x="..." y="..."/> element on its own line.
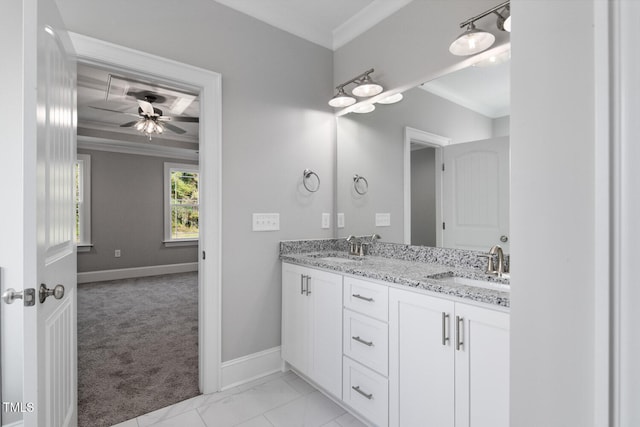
<point x="114" y="111"/>
<point x="179" y="119"/>
<point x="173" y="128"/>
<point x="129" y="124"/>
<point x="146" y="108"/>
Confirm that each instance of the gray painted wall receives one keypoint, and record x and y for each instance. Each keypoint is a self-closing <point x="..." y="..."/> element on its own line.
<point x="372" y="145"/>
<point x="275" y="123"/>
<point x="552" y="207"/>
<point x="423" y="197"/>
<point x="501" y="126"/>
<point x="127" y="213"/>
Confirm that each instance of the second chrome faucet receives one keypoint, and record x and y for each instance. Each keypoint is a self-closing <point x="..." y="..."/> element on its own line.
<point x="360" y="245"/>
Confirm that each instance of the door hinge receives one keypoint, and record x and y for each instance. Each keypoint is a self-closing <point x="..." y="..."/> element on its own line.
<point x="444" y="226"/>
<point x="204" y="255"/>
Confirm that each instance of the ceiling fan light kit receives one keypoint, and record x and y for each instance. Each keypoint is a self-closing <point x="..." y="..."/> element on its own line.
<point x="475" y="40"/>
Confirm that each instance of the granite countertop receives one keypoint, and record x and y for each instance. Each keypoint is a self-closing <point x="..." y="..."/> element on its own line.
<point x="418" y="275"/>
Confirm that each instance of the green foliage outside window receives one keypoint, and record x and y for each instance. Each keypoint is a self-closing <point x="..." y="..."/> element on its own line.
<point x="184" y="204"/>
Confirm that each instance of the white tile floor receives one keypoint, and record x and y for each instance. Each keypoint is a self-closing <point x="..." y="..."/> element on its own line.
<point x="278" y="400"/>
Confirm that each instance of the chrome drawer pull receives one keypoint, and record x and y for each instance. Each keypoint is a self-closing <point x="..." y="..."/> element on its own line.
<point x="357" y="388"/>
<point x="362" y="298"/>
<point x="445" y="321"/>
<point x="459" y="332"/>
<point x="360" y="340"/>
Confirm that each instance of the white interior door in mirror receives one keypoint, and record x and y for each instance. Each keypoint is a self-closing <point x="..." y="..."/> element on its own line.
<point x="475" y="195"/>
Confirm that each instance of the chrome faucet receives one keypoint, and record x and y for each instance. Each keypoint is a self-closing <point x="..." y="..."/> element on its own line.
<point x="354" y="245"/>
<point x="497" y="250"/>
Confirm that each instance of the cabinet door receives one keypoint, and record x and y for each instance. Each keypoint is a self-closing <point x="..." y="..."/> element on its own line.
<point x="325" y="316"/>
<point x="421" y="361"/>
<point x="295" y="324"/>
<point x="482" y="367"/>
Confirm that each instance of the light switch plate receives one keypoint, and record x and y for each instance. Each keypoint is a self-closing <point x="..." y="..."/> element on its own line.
<point x="266" y="221"/>
<point x="383" y="219"/>
<point x="326" y="220"/>
<point x="341" y="220"/>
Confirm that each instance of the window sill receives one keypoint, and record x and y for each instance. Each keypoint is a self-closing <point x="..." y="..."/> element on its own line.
<point x="84" y="247"/>
<point x="183" y="242"/>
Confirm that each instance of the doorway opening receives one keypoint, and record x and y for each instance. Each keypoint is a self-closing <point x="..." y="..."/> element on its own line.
<point x="206" y="85"/>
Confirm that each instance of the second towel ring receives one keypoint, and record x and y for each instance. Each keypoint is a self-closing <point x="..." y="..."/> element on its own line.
<point x="308" y="182"/>
<point x="360" y="184"/>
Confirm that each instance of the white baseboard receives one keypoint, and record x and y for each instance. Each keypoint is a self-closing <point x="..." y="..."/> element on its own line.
<point x="244" y="369"/>
<point x="129" y="273"/>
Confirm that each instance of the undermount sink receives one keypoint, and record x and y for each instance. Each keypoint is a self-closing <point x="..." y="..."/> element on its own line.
<point x="485" y="284"/>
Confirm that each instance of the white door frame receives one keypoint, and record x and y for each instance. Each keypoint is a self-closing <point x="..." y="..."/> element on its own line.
<point x="427" y="139"/>
<point x="208" y="83"/>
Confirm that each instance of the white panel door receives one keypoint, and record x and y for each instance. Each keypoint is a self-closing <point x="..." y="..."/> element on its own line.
<point x="421" y="361"/>
<point x="50" y="325"/>
<point x="482" y="367"/>
<point x="475" y="194"/>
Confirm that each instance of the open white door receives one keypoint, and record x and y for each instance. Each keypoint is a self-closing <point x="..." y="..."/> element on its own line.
<point x="50" y="324"/>
<point x="475" y="195"/>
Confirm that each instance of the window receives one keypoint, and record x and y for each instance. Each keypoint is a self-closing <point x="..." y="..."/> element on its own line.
<point x="181" y="202"/>
<point x="82" y="230"/>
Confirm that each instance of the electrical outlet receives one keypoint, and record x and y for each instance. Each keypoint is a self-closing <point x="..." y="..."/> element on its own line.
<point x="266" y="221"/>
<point x="341" y="220"/>
<point x="117" y="254"/>
<point x="383" y="220"/>
<point x="326" y="220"/>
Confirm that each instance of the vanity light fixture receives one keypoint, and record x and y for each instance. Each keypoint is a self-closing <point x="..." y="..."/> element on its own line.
<point x="365" y="108"/>
<point x="365" y="88"/>
<point x="475" y="40"/>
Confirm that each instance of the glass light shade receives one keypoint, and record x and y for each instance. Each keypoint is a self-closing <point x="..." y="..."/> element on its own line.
<point x="471" y="41"/>
<point x="366" y="108"/>
<point x="507" y="24"/>
<point x="341" y="99"/>
<point x="392" y="99"/>
<point x="366" y="88"/>
<point x="149" y="127"/>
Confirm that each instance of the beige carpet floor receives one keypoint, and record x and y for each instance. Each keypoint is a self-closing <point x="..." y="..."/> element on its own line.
<point x="137" y="346"/>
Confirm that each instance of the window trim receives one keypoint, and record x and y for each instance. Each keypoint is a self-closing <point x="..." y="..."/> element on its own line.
<point x="168" y="168"/>
<point x="84" y="243"/>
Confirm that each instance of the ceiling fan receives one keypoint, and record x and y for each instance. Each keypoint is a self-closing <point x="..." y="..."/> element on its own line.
<point x="150" y="120"/>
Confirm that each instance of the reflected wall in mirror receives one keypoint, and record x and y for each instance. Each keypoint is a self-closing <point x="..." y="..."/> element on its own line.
<point x="460" y="119"/>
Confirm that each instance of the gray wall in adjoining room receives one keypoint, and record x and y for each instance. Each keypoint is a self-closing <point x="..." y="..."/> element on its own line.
<point x="501" y="126"/>
<point x="423" y="197"/>
<point x="372" y="145"/>
<point x="127" y="213"/>
<point x="275" y="123"/>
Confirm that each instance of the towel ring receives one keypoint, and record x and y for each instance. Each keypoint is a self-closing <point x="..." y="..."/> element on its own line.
<point x="307" y="180"/>
<point x="360" y="184"/>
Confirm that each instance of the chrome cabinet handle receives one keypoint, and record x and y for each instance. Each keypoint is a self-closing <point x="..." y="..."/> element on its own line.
<point x="445" y="324"/>
<point x="367" y="395"/>
<point x="459" y="332"/>
<point x="361" y="341"/>
<point x="362" y="298"/>
<point x="57" y="292"/>
<point x="302" y="284"/>
<point x="308" y="291"/>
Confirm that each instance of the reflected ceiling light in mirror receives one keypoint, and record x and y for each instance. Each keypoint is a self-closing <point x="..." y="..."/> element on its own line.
<point x="391" y="99"/>
<point x="365" y="108"/>
<point x="365" y="88"/>
<point x="475" y="40"/>
<point x="494" y="59"/>
<point x="341" y="99"/>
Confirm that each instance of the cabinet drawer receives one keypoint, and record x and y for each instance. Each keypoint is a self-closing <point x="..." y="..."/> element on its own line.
<point x="366" y="391"/>
<point x="368" y="298"/>
<point x="367" y="341"/>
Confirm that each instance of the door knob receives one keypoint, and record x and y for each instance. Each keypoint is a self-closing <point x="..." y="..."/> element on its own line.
<point x="57" y="292"/>
<point x="28" y="296"/>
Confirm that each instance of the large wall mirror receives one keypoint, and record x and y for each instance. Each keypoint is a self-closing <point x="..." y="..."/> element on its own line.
<point x="459" y="120"/>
